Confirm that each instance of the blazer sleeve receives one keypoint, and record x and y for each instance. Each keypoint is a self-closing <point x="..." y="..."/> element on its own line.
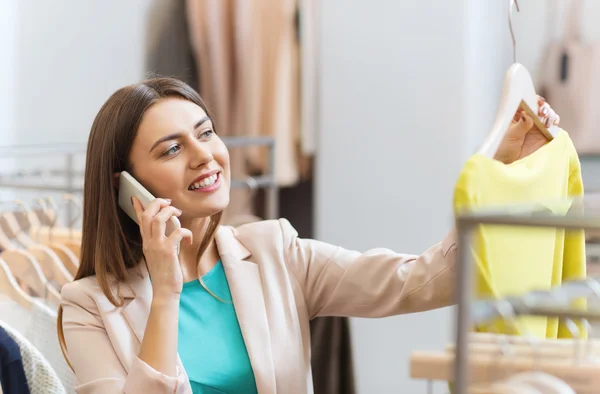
<point x="94" y="360"/>
<point x="377" y="283"/>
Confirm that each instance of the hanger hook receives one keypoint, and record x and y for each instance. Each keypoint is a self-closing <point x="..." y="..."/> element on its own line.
<point x="75" y="200"/>
<point x="43" y="203"/>
<point x="25" y="207"/>
<point x="33" y="220"/>
<point x="510" y="26"/>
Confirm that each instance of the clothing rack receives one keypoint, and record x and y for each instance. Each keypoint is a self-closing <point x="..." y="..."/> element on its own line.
<point x="494" y="358"/>
<point x="582" y="215"/>
<point x="72" y="178"/>
<point x="550" y="303"/>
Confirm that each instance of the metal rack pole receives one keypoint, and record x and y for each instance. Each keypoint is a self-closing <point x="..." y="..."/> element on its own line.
<point x="463" y="314"/>
<point x="271" y="189"/>
<point x="272" y="192"/>
<point x="70" y="178"/>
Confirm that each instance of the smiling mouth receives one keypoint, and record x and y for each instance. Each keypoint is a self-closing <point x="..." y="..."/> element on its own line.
<point x="207" y="183"/>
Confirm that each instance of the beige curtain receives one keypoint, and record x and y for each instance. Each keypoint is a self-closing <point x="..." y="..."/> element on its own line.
<point x="247" y="52"/>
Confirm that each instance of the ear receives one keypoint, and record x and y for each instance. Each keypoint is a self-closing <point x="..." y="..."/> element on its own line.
<point x="116" y="177"/>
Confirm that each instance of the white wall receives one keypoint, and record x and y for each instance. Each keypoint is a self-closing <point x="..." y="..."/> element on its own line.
<point x="8" y="50"/>
<point x="8" y="47"/>
<point x="71" y="56"/>
<point x="391" y="143"/>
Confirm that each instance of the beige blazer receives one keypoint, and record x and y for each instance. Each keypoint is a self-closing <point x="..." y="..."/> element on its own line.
<point x="278" y="283"/>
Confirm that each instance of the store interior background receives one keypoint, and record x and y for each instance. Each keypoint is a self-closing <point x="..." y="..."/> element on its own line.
<point x="408" y="89"/>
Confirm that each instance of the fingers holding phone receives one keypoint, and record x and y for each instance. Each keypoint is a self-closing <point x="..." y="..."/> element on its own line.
<point x="145" y="216"/>
<point x="160" y="251"/>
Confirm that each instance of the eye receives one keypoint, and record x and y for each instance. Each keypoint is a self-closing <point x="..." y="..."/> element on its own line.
<point x="206" y="134"/>
<point x="172" y="150"/>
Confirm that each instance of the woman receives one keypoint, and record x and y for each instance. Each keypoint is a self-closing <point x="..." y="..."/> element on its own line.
<point x="138" y="320"/>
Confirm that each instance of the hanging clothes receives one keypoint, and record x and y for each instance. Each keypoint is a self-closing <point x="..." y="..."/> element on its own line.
<point x="42" y="334"/>
<point x="14" y="314"/>
<point x="12" y="374"/>
<point x="514" y="260"/>
<point x="331" y="355"/>
<point x="211" y="27"/>
<point x="169" y="50"/>
<point x="41" y="377"/>
<point x="571" y="82"/>
<point x="248" y="56"/>
<point x="38" y="328"/>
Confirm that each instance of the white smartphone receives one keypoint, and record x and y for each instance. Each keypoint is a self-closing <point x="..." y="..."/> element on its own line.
<point x="130" y="187"/>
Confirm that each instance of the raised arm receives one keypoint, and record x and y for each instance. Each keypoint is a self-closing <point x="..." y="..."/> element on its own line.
<point x="376" y="283"/>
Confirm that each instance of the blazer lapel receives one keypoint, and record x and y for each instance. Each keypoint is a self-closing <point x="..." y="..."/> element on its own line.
<point x="138" y="290"/>
<point x="245" y="284"/>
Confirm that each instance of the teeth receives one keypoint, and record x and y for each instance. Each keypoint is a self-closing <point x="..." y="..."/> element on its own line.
<point x="208" y="181"/>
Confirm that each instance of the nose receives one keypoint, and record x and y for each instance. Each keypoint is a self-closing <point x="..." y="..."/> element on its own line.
<point x="201" y="154"/>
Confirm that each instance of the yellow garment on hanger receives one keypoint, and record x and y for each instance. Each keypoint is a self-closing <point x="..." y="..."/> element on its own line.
<point x="513" y="260"/>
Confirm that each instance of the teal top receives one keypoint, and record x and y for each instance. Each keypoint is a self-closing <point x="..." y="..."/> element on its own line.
<point x="210" y="345"/>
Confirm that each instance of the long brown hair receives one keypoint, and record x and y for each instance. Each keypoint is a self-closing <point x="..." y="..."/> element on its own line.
<point x="104" y="224"/>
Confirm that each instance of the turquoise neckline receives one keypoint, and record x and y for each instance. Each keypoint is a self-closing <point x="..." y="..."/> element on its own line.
<point x="205" y="277"/>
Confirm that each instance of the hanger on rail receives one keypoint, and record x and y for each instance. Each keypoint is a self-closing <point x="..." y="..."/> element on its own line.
<point x="53" y="268"/>
<point x="10" y="287"/>
<point x="30" y="275"/>
<point x="518" y="91"/>
<point x="47" y="235"/>
<point x="73" y="242"/>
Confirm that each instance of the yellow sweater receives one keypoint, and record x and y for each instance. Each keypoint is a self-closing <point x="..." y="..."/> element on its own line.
<point x="513" y="260"/>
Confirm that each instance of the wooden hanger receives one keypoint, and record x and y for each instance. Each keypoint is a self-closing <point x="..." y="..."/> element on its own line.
<point x="517" y="92"/>
<point x="48" y="230"/>
<point x="53" y="267"/>
<point x="75" y="248"/>
<point x="65" y="254"/>
<point x="48" y="214"/>
<point x="51" y="264"/>
<point x="74" y="240"/>
<point x="10" y="287"/>
<point x="28" y="273"/>
<point x="11" y="228"/>
<point x="5" y="242"/>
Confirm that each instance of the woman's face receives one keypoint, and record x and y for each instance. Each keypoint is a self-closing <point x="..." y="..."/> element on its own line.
<point x="176" y="154"/>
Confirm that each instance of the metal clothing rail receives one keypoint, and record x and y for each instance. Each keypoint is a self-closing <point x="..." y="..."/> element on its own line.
<point x="466" y="224"/>
<point x="550" y="303"/>
<point x="71" y="176"/>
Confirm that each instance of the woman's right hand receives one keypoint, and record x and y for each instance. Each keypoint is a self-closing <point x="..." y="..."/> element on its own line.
<point x="160" y="252"/>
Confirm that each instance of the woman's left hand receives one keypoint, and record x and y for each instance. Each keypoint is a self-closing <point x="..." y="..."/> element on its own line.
<point x="523" y="136"/>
